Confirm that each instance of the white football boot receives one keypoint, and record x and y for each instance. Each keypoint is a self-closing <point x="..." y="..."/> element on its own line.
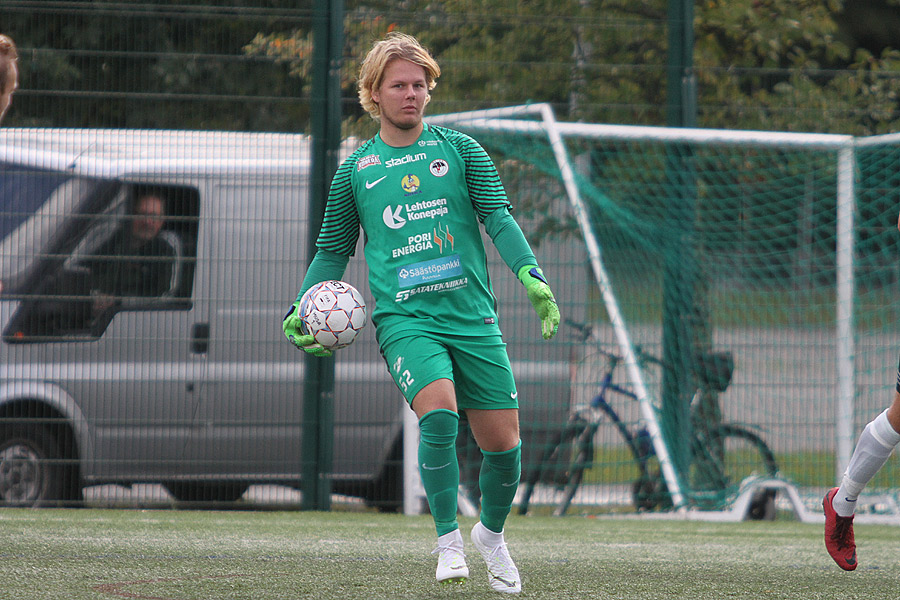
<point x="502" y="572"/>
<point x="451" y="567"/>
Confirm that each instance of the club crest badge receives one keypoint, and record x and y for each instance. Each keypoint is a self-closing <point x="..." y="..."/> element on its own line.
<point x="439" y="167"/>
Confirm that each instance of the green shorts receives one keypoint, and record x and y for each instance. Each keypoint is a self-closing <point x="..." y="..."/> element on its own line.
<point x="478" y="366"/>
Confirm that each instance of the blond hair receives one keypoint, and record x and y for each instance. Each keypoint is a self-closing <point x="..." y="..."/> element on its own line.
<point x="395" y="45"/>
<point x="8" y="56"/>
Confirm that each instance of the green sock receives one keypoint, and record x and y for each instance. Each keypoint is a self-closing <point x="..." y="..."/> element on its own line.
<point x="498" y="480"/>
<point x="439" y="466"/>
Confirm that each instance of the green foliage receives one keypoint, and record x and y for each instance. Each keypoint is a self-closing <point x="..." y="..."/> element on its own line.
<point x="760" y="64"/>
<point x="780" y="66"/>
<point x="163" y="65"/>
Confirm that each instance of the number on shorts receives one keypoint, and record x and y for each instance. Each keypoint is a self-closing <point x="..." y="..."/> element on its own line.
<point x="404" y="379"/>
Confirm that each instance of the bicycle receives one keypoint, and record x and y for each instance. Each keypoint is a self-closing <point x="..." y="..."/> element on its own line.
<point x="722" y="455"/>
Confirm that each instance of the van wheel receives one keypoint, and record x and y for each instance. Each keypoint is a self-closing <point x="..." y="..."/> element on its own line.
<point x="194" y="491"/>
<point x="31" y="473"/>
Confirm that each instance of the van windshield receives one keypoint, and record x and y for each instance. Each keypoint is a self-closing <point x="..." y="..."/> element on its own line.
<point x="34" y="205"/>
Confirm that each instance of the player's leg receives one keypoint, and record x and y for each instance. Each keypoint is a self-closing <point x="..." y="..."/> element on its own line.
<point x="487" y="392"/>
<point x="496" y="432"/>
<point x="438" y="464"/>
<point x="439" y="469"/>
<point x="874" y="447"/>
<point x="421" y="368"/>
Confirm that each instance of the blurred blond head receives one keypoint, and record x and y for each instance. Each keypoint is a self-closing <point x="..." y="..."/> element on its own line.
<point x="9" y="72"/>
<point x="394" y="46"/>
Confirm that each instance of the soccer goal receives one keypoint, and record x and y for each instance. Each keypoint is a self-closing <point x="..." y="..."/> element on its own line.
<point x="776" y="249"/>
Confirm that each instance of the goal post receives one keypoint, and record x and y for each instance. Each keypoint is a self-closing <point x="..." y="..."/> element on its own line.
<point x="780" y="240"/>
<point x="549" y="126"/>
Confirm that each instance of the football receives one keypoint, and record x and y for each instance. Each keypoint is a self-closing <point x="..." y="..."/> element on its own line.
<point x="334" y="313"/>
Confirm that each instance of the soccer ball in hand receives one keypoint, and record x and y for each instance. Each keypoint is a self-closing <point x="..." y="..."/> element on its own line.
<point x="334" y="313"/>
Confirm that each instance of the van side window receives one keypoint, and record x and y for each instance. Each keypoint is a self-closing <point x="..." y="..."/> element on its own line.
<point x="135" y="250"/>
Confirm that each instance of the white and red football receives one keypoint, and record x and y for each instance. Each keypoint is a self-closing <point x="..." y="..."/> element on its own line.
<point x="334" y="313"/>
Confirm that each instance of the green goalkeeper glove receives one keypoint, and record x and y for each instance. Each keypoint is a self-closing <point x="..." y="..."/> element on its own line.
<point x="293" y="331"/>
<point x="541" y="298"/>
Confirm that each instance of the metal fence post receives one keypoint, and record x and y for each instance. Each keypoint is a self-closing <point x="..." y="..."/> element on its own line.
<point x="318" y="385"/>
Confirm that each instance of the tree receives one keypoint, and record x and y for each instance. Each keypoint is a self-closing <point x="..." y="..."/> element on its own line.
<point x="164" y="64"/>
<point x="781" y="65"/>
<point x="804" y="65"/>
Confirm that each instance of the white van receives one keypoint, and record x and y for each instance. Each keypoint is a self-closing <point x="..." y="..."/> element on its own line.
<point x="187" y="381"/>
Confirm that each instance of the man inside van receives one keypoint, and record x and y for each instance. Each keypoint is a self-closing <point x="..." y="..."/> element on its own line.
<point x="9" y="72"/>
<point x="139" y="261"/>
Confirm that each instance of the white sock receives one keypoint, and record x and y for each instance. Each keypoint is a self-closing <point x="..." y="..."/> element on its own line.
<point x="491" y="538"/>
<point x="874" y="447"/>
<point x="451" y="540"/>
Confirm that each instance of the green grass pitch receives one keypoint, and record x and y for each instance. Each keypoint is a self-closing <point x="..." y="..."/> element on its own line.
<point x="221" y="555"/>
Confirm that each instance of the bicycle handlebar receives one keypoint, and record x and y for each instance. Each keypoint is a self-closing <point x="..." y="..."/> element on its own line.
<point x="587" y="331"/>
<point x="583" y="328"/>
<point x="713" y="369"/>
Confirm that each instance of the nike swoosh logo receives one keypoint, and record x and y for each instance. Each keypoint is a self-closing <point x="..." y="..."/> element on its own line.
<point x="427" y="468"/>
<point x="370" y="185"/>
<point x="514" y="395"/>
<point x="513" y="484"/>
<point x="848" y="499"/>
<point x="504" y="581"/>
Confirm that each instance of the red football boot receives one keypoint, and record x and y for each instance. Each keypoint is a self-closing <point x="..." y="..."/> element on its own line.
<point x="839" y="535"/>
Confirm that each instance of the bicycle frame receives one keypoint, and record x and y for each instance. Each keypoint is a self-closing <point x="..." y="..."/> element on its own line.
<point x="574" y="444"/>
<point x="639" y="451"/>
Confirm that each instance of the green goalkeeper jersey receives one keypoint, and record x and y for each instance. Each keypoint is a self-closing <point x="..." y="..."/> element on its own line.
<point x="419" y="207"/>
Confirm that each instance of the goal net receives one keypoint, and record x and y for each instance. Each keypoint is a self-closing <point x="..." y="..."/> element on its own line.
<point x="774" y="252"/>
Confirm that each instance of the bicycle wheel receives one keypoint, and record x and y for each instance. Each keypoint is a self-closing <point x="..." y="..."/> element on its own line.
<point x="581" y="456"/>
<point x="552" y="468"/>
<point x="649" y="491"/>
<point x="734" y="453"/>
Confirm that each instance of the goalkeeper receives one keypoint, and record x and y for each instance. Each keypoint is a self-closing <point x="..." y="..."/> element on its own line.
<point x="419" y="192"/>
